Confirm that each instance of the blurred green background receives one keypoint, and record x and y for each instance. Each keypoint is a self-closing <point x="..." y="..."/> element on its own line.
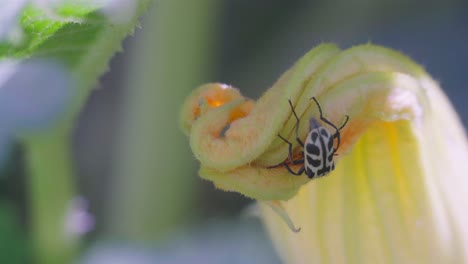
<point x="133" y="164"/>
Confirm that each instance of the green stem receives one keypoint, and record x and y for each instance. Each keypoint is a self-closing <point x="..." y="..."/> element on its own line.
<point x="154" y="186"/>
<point x="51" y="189"/>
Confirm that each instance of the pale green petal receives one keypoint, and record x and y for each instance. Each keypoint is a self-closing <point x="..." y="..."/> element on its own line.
<point x="398" y="196"/>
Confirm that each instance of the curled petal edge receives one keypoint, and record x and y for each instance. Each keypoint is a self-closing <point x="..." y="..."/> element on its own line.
<point x="235" y="138"/>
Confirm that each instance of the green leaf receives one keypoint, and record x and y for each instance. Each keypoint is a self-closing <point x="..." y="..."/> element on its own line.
<point x="81" y="36"/>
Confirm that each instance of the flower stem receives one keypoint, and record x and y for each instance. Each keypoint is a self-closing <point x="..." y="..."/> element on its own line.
<point x="51" y="188"/>
<point x="153" y="188"/>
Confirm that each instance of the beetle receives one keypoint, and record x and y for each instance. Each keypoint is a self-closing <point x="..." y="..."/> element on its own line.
<point x="319" y="148"/>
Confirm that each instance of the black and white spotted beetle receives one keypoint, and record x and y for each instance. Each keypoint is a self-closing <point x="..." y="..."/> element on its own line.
<point x="319" y="148"/>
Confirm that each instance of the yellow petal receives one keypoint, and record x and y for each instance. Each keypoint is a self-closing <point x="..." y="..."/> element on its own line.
<point x="398" y="192"/>
<point x="398" y="195"/>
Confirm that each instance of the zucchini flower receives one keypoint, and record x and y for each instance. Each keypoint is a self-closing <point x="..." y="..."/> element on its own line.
<point x="397" y="194"/>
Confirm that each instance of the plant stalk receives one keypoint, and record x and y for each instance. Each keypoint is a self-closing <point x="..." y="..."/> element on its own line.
<point x="154" y="185"/>
<point x="51" y="189"/>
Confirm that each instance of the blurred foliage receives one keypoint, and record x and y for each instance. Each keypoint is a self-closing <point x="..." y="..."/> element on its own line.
<point x="14" y="246"/>
<point x="49" y="51"/>
<point x="230" y="242"/>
